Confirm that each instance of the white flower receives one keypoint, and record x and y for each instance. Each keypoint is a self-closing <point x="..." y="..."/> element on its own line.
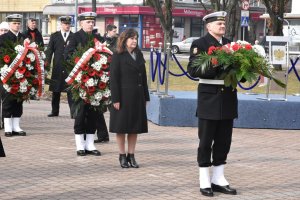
<point x="107" y="102"/>
<point x="104" y="78"/>
<point x="95" y="103"/>
<point x="24" y="83"/>
<point x="6" y="87"/>
<point x="18" y="74"/>
<point x="96" y="65"/>
<point x="4" y="69"/>
<point x="31" y="56"/>
<point x="90" y="82"/>
<point x="82" y="94"/>
<point x="98" y="96"/>
<point x="19" y="48"/>
<point x="32" y="91"/>
<point x="259" y="50"/>
<point x="29" y="67"/>
<point x="78" y="77"/>
<point x="103" y="60"/>
<point x="106" y="93"/>
<point x="23" y="89"/>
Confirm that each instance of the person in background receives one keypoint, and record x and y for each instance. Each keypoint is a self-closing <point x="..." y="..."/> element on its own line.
<point x="87" y="117"/>
<point x="129" y="93"/>
<point x="4" y="28"/>
<point x="56" y="47"/>
<point x="2" y="152"/>
<point x="110" y="38"/>
<point x="33" y="33"/>
<point x="217" y="107"/>
<point x="12" y="109"/>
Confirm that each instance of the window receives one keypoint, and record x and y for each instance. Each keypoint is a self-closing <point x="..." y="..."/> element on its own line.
<point x="197" y="27"/>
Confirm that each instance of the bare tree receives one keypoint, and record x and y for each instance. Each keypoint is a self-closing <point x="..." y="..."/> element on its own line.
<point x="163" y="10"/>
<point x="275" y="8"/>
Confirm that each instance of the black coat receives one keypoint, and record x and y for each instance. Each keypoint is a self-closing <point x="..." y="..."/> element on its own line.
<point x="56" y="48"/>
<point x="128" y="84"/>
<point x="111" y="42"/>
<point x="215" y="102"/>
<point x="38" y="36"/>
<point x="10" y="36"/>
<point x="2" y="153"/>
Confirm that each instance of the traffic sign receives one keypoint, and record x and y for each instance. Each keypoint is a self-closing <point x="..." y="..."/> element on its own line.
<point x="245" y="5"/>
<point x="244" y="21"/>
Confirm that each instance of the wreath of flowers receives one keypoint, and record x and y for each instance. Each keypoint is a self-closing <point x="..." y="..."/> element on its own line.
<point x="89" y="78"/>
<point x="22" y="69"/>
<point x="238" y="60"/>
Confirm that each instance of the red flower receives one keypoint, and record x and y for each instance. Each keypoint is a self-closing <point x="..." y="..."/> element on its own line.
<point x="248" y="47"/>
<point x="14" y="88"/>
<point x="27" y="74"/>
<point x="104" y="66"/>
<point x="85" y="78"/>
<point x="97" y="56"/>
<point x="214" y="61"/>
<point x="22" y="80"/>
<point x="84" y="67"/>
<point x="211" y="49"/>
<point x="102" y="85"/>
<point x="21" y="70"/>
<point x="91" y="90"/>
<point x="91" y="72"/>
<point x="76" y="59"/>
<point x="6" y="59"/>
<point x="83" y="86"/>
<point x="99" y="73"/>
<point x="109" y="59"/>
<point x="27" y="60"/>
<point x="35" y="81"/>
<point x="236" y="47"/>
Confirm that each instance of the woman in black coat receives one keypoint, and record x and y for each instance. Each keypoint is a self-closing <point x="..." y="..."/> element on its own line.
<point x="129" y="92"/>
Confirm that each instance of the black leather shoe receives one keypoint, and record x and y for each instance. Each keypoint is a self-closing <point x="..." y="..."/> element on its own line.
<point x="123" y="161"/>
<point x="81" y="153"/>
<point x="20" y="133"/>
<point x="207" y="192"/>
<point x="93" y="152"/>
<point x="131" y="161"/>
<point x="53" y="115"/>
<point x="8" y="134"/>
<point x="102" y="140"/>
<point x="223" y="189"/>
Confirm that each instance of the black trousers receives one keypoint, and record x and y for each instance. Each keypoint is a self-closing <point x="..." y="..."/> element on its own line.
<point x="86" y="120"/>
<point x="102" y="131"/>
<point x="215" y="140"/>
<point x="11" y="107"/>
<point x="2" y="153"/>
<point x="56" y="101"/>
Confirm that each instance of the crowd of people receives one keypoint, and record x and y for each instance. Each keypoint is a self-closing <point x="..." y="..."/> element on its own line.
<point x="217" y="104"/>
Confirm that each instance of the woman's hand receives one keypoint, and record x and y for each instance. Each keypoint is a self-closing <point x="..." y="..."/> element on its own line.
<point x="117" y="105"/>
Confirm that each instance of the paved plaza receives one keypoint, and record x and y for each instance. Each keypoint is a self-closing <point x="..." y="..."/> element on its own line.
<point x="263" y="164"/>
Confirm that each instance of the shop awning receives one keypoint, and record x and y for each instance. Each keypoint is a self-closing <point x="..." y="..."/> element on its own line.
<point x="59" y="10"/>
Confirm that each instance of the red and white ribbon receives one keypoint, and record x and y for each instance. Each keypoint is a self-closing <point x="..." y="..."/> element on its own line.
<point x="86" y="56"/>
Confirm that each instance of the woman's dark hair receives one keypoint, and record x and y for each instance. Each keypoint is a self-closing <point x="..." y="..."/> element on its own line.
<point x="128" y="33"/>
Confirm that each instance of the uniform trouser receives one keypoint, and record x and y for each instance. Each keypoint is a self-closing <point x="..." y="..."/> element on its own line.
<point x="102" y="131"/>
<point x="56" y="101"/>
<point x="86" y="120"/>
<point x="215" y="140"/>
<point x="11" y="107"/>
<point x="2" y="153"/>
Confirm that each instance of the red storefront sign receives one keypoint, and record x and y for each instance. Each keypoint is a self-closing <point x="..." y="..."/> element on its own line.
<point x="141" y="10"/>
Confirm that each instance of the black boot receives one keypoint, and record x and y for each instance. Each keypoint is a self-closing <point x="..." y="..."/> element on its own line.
<point x="123" y="161"/>
<point x="131" y="161"/>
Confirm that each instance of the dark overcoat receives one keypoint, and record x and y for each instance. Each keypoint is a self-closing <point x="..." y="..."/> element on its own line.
<point x="128" y="84"/>
<point x="56" y="48"/>
<point x="38" y="36"/>
<point x="215" y="102"/>
<point x="2" y="152"/>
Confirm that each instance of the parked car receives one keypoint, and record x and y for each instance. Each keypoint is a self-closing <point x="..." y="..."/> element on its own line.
<point x="183" y="46"/>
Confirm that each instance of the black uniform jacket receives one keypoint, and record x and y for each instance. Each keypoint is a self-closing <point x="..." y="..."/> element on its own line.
<point x="215" y="102"/>
<point x="128" y="83"/>
<point x="56" y="48"/>
<point x="111" y="42"/>
<point x="38" y="36"/>
<point x="10" y="36"/>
